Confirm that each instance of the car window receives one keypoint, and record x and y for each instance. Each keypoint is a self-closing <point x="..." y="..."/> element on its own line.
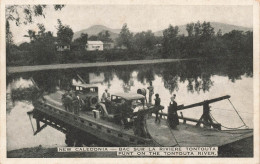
<point x="78" y="88"/>
<point x="86" y="90"/>
<point x="116" y="99"/>
<point x="92" y="90"/>
<point x="136" y="102"/>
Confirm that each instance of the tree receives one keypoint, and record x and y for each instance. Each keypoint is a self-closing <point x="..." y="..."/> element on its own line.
<point x="219" y="33"/>
<point x="248" y="43"/>
<point x="81" y="41"/>
<point x="43" y="49"/>
<point x="9" y="41"/>
<point x="190" y="29"/>
<point x="64" y="33"/>
<point x="9" y="35"/>
<point x="197" y="29"/>
<point x="24" y="46"/>
<point x="104" y="36"/>
<point x="207" y="31"/>
<point x="93" y="38"/>
<point x="170" y="40"/>
<point x="125" y="37"/>
<point x="200" y="40"/>
<point x="144" y="40"/>
<point x="41" y="28"/>
<point x="239" y="42"/>
<point x="31" y="35"/>
<point x="25" y="13"/>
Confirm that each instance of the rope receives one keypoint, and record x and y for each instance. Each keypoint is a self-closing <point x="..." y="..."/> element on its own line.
<point x="172" y="134"/>
<point x="238" y="114"/>
<point x="231" y="110"/>
<point x="225" y="126"/>
<point x="31" y="122"/>
<point x="157" y="142"/>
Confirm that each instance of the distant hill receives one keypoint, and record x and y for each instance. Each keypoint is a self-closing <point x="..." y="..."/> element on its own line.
<point x="225" y="28"/>
<point x="94" y="30"/>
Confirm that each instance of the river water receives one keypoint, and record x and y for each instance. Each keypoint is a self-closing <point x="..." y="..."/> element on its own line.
<point x="192" y="81"/>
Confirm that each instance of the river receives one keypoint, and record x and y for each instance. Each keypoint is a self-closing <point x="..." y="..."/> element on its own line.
<point x="192" y="81"/>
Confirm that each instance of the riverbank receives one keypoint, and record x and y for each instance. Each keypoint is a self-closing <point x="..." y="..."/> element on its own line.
<point x="19" y="69"/>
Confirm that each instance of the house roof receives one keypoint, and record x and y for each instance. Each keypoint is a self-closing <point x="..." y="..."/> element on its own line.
<point x="85" y="85"/>
<point x="95" y="42"/>
<point x="129" y="96"/>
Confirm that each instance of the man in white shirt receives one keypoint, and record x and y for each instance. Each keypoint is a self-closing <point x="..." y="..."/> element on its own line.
<point x="150" y="89"/>
<point x="105" y="96"/>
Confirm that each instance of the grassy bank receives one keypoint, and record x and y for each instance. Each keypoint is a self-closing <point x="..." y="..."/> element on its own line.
<point x="82" y="65"/>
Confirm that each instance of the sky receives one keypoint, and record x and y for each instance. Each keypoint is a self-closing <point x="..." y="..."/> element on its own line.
<point x="137" y="17"/>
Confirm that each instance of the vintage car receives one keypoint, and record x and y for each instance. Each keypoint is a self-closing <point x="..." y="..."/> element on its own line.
<point x="87" y="95"/>
<point x="121" y="105"/>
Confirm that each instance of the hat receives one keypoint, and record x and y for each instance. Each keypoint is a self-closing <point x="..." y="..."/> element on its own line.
<point x="173" y="97"/>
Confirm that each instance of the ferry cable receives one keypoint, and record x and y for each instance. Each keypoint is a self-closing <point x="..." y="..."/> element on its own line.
<point x="225" y="126"/>
<point x="232" y="110"/>
<point x="238" y="114"/>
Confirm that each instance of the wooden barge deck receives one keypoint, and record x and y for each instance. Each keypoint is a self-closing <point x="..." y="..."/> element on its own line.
<point x="192" y="136"/>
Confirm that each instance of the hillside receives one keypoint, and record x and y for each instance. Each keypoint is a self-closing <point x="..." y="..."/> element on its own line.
<point x="94" y="30"/>
<point x="225" y="28"/>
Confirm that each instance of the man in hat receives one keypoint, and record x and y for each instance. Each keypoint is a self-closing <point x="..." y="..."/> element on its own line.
<point x="157" y="102"/>
<point x="172" y="117"/>
<point x="75" y="103"/>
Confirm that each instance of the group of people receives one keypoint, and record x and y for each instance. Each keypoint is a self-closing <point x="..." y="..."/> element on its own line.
<point x="71" y="102"/>
<point x="172" y="117"/>
<point x="122" y="107"/>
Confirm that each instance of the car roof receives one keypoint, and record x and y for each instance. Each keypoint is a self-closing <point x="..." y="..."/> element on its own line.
<point x="84" y="85"/>
<point x="129" y="96"/>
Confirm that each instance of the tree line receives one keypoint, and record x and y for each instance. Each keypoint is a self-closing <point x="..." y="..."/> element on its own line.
<point x="201" y="41"/>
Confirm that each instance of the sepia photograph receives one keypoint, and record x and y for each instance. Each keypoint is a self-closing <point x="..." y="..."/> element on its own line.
<point x="130" y="80"/>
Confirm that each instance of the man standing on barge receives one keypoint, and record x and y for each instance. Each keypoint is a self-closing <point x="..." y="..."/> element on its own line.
<point x="105" y="96"/>
<point x="150" y="88"/>
<point x="76" y="103"/>
<point x="157" y="104"/>
<point x="172" y="117"/>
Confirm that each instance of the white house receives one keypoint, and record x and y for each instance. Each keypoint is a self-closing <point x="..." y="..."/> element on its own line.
<point x="95" y="46"/>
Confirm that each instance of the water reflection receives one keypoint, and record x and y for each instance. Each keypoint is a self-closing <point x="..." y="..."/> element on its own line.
<point x="197" y="74"/>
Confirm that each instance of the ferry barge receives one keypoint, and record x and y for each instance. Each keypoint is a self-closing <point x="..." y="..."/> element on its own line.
<point x="100" y="121"/>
